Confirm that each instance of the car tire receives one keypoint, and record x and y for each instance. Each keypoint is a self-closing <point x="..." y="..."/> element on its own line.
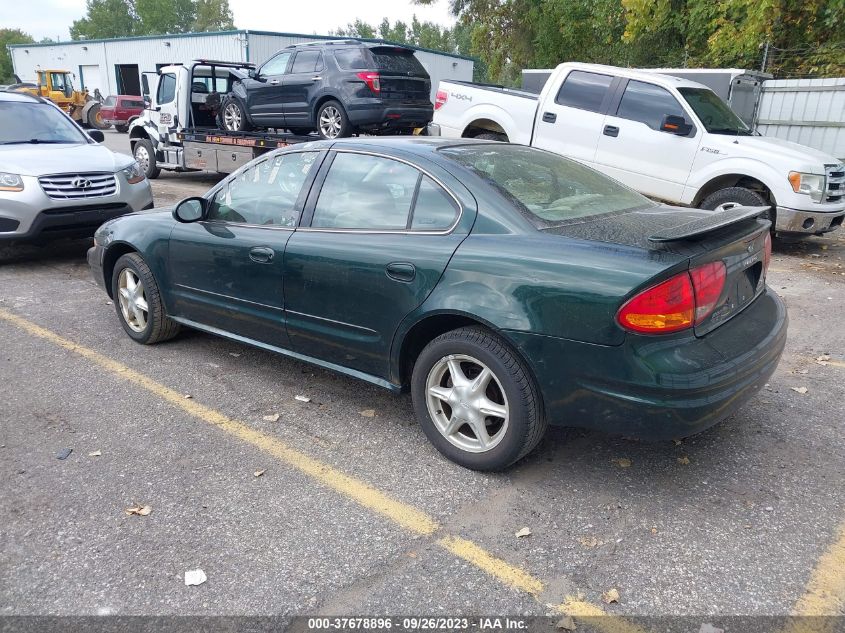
<point x="94" y="118"/>
<point x="121" y="128"/>
<point x="510" y="389"/>
<point x="133" y="282"/>
<point x="300" y="131"/>
<point x="144" y="153"/>
<point x="233" y="116"/>
<point x="730" y="197"/>
<point x="332" y="121"/>
<point x="492" y="136"/>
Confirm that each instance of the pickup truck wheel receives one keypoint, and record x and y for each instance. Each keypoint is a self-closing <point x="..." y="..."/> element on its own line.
<point x="146" y="157"/>
<point x="234" y="117"/>
<point x="332" y="121"/>
<point x="121" y="128"/>
<point x="475" y="400"/>
<point x="731" y="197"/>
<point x="138" y="302"/>
<point x="493" y="136"/>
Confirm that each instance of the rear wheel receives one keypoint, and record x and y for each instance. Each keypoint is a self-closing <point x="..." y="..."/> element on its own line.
<point x="121" y="128"/>
<point x="234" y="117"/>
<point x="300" y="131"/>
<point x="138" y="302"/>
<point x="493" y="136"/>
<point x="731" y="197"/>
<point x="95" y="118"/>
<point x="332" y="121"/>
<point x="475" y="400"/>
<point x="146" y="157"/>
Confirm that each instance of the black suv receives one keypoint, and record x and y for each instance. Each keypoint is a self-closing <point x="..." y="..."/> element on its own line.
<point x="335" y="87"/>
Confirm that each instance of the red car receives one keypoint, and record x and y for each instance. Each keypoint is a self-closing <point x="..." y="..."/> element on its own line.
<point x="120" y="110"/>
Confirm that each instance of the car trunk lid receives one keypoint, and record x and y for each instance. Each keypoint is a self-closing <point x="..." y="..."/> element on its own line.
<point x="736" y="238"/>
<point x="401" y="75"/>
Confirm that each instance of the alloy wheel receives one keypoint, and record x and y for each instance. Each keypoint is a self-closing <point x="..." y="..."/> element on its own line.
<point x="331" y="122"/>
<point x="467" y="403"/>
<point x="143" y="158"/>
<point x="133" y="300"/>
<point x="232" y="117"/>
<point x="727" y="206"/>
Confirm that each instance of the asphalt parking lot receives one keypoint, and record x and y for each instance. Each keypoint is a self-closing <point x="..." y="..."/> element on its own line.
<point x="340" y="506"/>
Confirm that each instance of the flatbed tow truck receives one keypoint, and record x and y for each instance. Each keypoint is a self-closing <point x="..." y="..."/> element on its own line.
<point x="180" y="129"/>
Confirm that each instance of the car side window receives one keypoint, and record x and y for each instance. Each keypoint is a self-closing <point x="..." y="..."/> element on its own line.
<point x="307" y="62"/>
<point x="366" y="192"/>
<point x="266" y="193"/>
<point x="584" y="90"/>
<point x="648" y="104"/>
<point x="166" y="89"/>
<point x="276" y="65"/>
<point x="434" y="209"/>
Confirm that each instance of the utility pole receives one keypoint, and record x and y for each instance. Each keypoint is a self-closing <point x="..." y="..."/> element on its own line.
<point x="765" y="56"/>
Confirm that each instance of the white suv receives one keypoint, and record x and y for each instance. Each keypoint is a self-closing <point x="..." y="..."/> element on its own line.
<point x="55" y="180"/>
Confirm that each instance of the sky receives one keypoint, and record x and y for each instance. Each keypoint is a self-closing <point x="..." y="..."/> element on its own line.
<point x="52" y="18"/>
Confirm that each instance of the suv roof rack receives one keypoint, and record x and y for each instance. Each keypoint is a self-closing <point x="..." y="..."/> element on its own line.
<point x="326" y="43"/>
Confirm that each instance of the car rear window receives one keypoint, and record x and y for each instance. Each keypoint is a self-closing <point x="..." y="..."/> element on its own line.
<point x="546" y="188"/>
<point x="352" y="59"/>
<point x="397" y="60"/>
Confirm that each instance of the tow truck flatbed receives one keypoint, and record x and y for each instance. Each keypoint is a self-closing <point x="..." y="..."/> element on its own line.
<point x="224" y="152"/>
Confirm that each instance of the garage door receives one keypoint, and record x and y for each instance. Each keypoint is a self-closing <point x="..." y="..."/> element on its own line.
<point x="91" y="78"/>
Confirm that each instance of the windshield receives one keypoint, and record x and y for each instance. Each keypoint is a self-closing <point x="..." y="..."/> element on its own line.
<point x="550" y="190"/>
<point x="36" y="123"/>
<point x="714" y="113"/>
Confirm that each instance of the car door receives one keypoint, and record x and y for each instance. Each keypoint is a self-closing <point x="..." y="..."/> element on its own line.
<point x="571" y="123"/>
<point x="227" y="270"/>
<point x="166" y="106"/>
<point x="299" y="87"/>
<point x="377" y="235"/>
<point x="634" y="150"/>
<point x="264" y="91"/>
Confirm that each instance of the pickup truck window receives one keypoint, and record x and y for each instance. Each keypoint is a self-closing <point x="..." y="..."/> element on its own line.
<point x="648" y="104"/>
<point x="714" y="113"/>
<point x="548" y="189"/>
<point x="583" y="90"/>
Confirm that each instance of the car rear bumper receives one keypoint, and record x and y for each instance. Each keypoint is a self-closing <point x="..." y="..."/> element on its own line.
<point x="654" y="387"/>
<point x="796" y="221"/>
<point x="384" y="115"/>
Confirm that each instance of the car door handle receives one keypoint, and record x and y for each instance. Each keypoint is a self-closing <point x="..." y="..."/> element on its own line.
<point x="549" y="117"/>
<point x="611" y="130"/>
<point x="275" y="82"/>
<point x="261" y="254"/>
<point x="401" y="271"/>
<point x="317" y="78"/>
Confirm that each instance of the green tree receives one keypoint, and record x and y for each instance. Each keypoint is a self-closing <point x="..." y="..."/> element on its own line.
<point x="7" y="38"/>
<point x="358" y="28"/>
<point x="105" y="18"/>
<point x="213" y="15"/>
<point x="165" y="16"/>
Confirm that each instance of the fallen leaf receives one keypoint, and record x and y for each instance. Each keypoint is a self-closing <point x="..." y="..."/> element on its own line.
<point x="590" y="541"/>
<point x="566" y="623"/>
<point x="368" y="413"/>
<point x="138" y="510"/>
<point x="523" y="533"/>
<point x="195" y="577"/>
<point x="258" y="473"/>
<point x="95" y="453"/>
<point x="188" y="396"/>
<point x="654" y="530"/>
<point x="622" y="462"/>
<point x="683" y="460"/>
<point x="799" y="389"/>
<point x="271" y="418"/>
<point x="610" y="596"/>
<point x="302" y="398"/>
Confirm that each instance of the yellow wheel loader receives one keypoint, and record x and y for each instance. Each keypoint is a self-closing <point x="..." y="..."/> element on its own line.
<point x="57" y="86"/>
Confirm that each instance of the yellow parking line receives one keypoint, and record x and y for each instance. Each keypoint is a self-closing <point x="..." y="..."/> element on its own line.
<point x="825" y="592"/>
<point x="402" y="514"/>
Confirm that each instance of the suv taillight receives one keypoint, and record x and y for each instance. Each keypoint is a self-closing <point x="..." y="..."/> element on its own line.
<point x="440" y="99"/>
<point x="372" y="81"/>
<point x="676" y="304"/>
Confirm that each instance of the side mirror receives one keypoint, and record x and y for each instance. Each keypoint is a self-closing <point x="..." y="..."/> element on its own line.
<point x="190" y="210"/>
<point x="97" y="135"/>
<point x="675" y="124"/>
<point x="252" y="73"/>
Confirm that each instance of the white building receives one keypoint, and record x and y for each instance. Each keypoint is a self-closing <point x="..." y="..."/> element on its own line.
<point x="116" y="66"/>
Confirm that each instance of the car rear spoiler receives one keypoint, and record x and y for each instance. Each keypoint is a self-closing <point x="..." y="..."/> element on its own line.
<point x="716" y="220"/>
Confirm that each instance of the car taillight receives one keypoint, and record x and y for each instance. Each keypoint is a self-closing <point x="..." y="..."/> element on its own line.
<point x="767" y="251"/>
<point x="372" y="80"/>
<point x="440" y="99"/>
<point x="676" y="304"/>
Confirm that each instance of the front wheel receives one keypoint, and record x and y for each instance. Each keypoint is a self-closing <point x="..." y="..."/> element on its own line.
<point x="332" y="121"/>
<point x="475" y="400"/>
<point x="121" y="128"/>
<point x="731" y="197"/>
<point x="95" y="118"/>
<point x="146" y="157"/>
<point x="138" y="302"/>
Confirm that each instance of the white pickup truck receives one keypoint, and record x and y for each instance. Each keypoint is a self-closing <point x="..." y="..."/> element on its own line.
<point x="671" y="139"/>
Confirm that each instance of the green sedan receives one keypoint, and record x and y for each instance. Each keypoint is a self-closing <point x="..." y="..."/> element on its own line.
<point x="508" y="288"/>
